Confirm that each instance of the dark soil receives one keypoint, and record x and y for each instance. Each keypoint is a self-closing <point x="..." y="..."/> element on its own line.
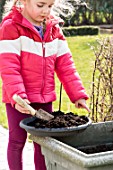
<point x="60" y="120"/>
<point x="97" y="149"/>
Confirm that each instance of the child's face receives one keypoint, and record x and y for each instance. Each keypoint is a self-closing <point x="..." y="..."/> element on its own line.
<point x="37" y="10"/>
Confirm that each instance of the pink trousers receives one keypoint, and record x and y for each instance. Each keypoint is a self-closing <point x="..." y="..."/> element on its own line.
<point x="18" y="136"/>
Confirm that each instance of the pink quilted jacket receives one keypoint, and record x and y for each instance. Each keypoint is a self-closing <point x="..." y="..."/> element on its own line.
<point x="28" y="63"/>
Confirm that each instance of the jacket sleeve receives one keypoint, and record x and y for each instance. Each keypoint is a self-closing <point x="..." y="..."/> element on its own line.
<point x="67" y="73"/>
<point x="10" y="66"/>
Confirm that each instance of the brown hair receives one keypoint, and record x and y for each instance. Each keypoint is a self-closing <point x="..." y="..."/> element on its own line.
<point x="14" y="2"/>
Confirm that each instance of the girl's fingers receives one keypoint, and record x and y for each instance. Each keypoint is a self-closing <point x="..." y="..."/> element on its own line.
<point x="27" y="101"/>
<point x="21" y="109"/>
<point x="82" y="104"/>
<point x="85" y="107"/>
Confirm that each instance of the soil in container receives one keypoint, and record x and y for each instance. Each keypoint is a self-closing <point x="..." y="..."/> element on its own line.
<point x="97" y="148"/>
<point x="60" y="120"/>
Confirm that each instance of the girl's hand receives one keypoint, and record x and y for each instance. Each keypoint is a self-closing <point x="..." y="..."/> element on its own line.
<point x="21" y="108"/>
<point x="81" y="103"/>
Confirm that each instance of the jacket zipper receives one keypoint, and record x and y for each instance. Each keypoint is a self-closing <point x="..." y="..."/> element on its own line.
<point x="44" y="69"/>
<point x="43" y="80"/>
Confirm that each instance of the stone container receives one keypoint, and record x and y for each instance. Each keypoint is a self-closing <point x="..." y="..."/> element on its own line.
<point x="64" y="153"/>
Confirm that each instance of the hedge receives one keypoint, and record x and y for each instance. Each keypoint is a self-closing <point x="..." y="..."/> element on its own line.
<point x="83" y="30"/>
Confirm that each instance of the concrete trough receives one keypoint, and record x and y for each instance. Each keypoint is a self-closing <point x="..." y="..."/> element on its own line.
<point x="64" y="153"/>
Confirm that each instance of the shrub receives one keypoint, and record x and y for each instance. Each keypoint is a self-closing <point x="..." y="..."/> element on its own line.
<point x="84" y="30"/>
<point x="102" y="81"/>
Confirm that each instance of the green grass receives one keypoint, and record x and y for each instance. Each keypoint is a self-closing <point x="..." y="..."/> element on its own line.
<point x="3" y="120"/>
<point x="84" y="59"/>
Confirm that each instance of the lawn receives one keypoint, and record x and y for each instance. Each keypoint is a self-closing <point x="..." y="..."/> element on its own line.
<point x="84" y="60"/>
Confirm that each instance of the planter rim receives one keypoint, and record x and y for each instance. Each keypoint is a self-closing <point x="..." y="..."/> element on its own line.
<point x="106" y="122"/>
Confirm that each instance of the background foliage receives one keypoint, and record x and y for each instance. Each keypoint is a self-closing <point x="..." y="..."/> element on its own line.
<point x="94" y="13"/>
<point x="2" y="3"/>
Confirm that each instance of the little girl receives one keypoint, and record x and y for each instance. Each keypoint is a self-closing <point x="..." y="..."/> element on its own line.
<point x="32" y="49"/>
